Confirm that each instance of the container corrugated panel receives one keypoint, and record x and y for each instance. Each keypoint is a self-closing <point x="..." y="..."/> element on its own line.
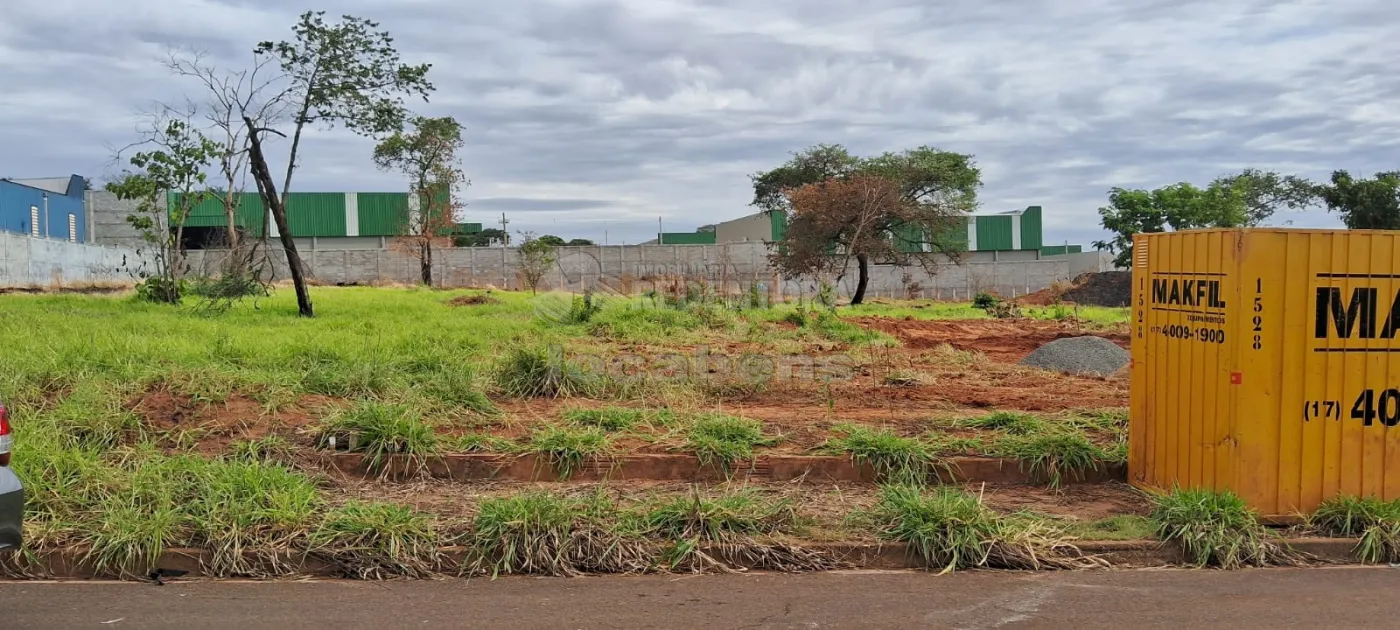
<point x="1031" y="228"/>
<point x="1265" y="361"/>
<point x="316" y="214"/>
<point x="382" y="214"/>
<point x="994" y="232"/>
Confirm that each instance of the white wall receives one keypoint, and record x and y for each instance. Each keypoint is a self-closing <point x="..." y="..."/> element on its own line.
<point x="27" y="261"/>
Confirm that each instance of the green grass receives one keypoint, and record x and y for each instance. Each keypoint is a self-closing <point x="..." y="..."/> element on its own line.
<point x="1056" y="453"/>
<point x="568" y="447"/>
<point x="1011" y="422"/>
<point x="380" y="430"/>
<point x="1217" y="529"/>
<point x="949" y="529"/>
<point x="894" y="458"/>
<point x="378" y="540"/>
<point x="270" y="449"/>
<point x="724" y="440"/>
<point x="540" y="372"/>
<point x="931" y="310"/>
<point x="540" y="532"/>
<point x="1375" y="522"/>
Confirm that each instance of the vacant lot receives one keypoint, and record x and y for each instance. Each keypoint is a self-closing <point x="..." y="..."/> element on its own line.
<point x="144" y="427"/>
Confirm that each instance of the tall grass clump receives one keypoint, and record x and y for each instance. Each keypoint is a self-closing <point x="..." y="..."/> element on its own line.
<point x="534" y="372"/>
<point x="456" y="385"/>
<point x="894" y="458"/>
<point x="723" y="440"/>
<point x="544" y="533"/>
<point x="1375" y="522"/>
<point x="1055" y="454"/>
<point x="568" y="447"/>
<point x="380" y="430"/>
<point x="238" y="507"/>
<point x="611" y="419"/>
<point x="949" y="529"/>
<point x="1010" y="422"/>
<point x="1217" y="529"/>
<point x="699" y="528"/>
<point x="378" y="540"/>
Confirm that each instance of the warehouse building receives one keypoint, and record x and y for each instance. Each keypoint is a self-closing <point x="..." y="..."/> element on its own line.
<point x="317" y="220"/>
<point x="50" y="207"/>
<point x="1014" y="235"/>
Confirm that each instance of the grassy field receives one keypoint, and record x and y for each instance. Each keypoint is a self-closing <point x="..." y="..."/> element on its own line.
<point x="144" y="427"/>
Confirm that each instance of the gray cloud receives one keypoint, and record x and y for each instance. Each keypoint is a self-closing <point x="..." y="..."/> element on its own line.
<point x="593" y="116"/>
<point x="521" y="204"/>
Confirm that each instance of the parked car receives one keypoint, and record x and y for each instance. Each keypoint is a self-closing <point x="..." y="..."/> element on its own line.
<point x="11" y="490"/>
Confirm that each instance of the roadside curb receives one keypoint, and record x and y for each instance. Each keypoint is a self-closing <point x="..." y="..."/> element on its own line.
<point x="71" y="564"/>
<point x="533" y="467"/>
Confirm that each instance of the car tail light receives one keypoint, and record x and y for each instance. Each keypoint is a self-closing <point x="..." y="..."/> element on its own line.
<point x="6" y="439"/>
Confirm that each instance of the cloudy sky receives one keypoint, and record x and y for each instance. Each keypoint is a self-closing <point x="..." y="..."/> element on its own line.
<point x="590" y="116"/>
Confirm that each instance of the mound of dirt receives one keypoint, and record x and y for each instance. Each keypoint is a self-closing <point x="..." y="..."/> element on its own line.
<point x="1106" y="288"/>
<point x="1006" y="340"/>
<point x="473" y="300"/>
<point x="1090" y="355"/>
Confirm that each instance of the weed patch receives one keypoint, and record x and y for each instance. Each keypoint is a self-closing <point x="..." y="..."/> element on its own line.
<point x="723" y="440"/>
<point x="532" y="372"/>
<point x="552" y="535"/>
<point x="894" y="458"/>
<point x="1375" y="522"/>
<point x="378" y="540"/>
<point x="1053" y="454"/>
<point x="568" y="447"/>
<point x="1010" y="422"/>
<point x="380" y="430"/>
<point x="949" y="529"/>
<point x="1217" y="529"/>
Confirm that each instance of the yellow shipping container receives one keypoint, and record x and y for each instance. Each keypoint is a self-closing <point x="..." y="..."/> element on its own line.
<point x="1265" y="361"/>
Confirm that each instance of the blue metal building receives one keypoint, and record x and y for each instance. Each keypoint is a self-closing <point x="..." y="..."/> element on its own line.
<point x="51" y="207"/>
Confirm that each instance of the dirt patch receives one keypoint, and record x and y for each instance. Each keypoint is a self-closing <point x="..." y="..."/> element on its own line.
<point x="473" y="300"/>
<point x="1007" y="341"/>
<point x="1107" y="288"/>
<point x="1086" y="502"/>
<point x="215" y="425"/>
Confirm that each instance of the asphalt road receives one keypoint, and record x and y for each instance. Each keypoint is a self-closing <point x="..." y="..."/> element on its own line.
<point x="1275" y="598"/>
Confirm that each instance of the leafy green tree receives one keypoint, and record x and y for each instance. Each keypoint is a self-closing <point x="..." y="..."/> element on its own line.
<point x="536" y="256"/>
<point x="902" y="208"/>
<point x="1364" y="204"/>
<point x="346" y="73"/>
<point x="580" y="242"/>
<point x="428" y="156"/>
<point x="1248" y="198"/>
<point x="552" y="240"/>
<point x="176" y="163"/>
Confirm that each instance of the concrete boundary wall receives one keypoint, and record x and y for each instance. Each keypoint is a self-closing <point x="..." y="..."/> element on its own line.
<point x="634" y="268"/>
<point x="28" y="261"/>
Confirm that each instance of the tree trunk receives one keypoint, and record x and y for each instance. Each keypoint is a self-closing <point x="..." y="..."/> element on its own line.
<point x="268" y="189"/>
<point x="229" y="203"/>
<point x="863" y="264"/>
<point x="426" y="263"/>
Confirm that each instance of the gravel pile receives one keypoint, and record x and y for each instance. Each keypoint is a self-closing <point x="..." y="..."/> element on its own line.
<point x="1079" y="355"/>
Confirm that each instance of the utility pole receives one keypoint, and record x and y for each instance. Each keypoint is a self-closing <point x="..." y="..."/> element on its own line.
<point x="660" y="240"/>
<point x="505" y="236"/>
